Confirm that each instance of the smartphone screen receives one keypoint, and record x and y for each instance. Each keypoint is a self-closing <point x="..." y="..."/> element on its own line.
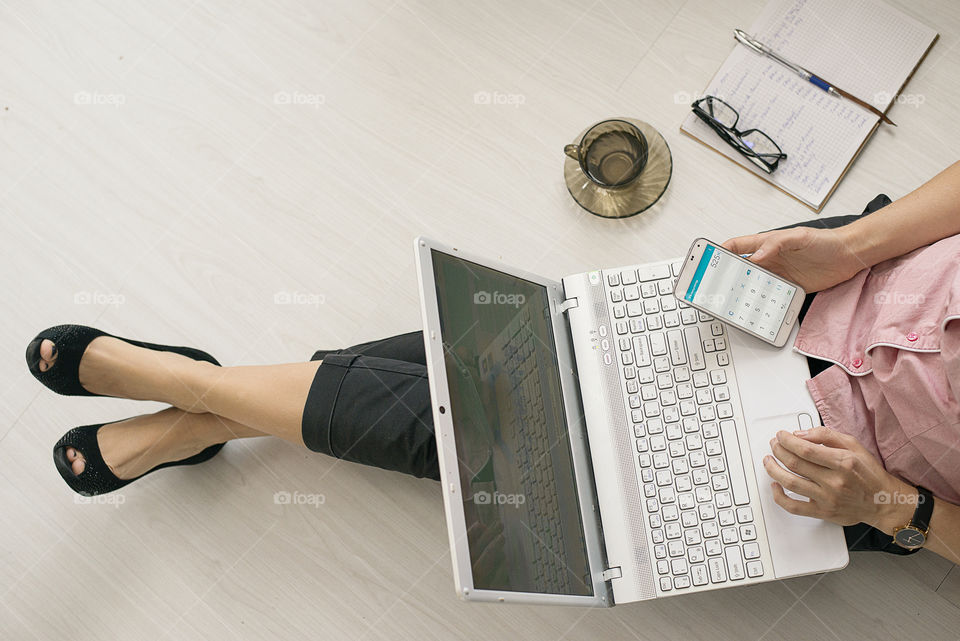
<point x="737" y="291"/>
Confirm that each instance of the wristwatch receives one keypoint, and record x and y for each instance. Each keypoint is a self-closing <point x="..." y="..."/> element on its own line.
<point x="914" y="534"/>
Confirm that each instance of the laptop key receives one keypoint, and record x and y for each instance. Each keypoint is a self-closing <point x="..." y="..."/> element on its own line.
<point x="641" y="348"/>
<point x="694" y="348"/>
<point x="699" y="574"/>
<point x="734" y="562"/>
<point x="695" y="553"/>
<point x="653" y="272"/>
<point x="678" y="354"/>
<point x="658" y="344"/>
<point x="718" y="573"/>
<point x="738" y="479"/>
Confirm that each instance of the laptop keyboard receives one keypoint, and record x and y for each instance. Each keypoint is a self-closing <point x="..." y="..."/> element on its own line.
<point x="677" y="379"/>
<point x="551" y="573"/>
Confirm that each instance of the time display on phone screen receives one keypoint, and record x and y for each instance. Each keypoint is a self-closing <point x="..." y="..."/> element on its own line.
<point x="734" y="289"/>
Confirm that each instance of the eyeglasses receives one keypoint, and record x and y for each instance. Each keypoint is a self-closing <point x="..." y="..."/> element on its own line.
<point x="757" y="146"/>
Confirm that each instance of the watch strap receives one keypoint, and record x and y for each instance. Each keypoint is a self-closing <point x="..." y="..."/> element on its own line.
<point x="921" y="516"/>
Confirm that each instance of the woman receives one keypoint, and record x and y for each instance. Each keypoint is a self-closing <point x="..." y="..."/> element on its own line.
<point x="884" y="341"/>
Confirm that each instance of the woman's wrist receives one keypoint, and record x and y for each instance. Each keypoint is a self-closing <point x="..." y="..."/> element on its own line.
<point x="862" y="244"/>
<point x="894" y="506"/>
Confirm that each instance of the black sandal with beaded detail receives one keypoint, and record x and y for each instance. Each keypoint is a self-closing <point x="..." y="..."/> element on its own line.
<point x="96" y="477"/>
<point x="70" y="342"/>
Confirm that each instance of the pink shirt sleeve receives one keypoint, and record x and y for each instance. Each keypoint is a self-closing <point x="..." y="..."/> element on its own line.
<point x="950" y="352"/>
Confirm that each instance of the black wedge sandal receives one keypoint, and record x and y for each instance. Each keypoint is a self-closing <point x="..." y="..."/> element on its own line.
<point x="96" y="477"/>
<point x="70" y="342"/>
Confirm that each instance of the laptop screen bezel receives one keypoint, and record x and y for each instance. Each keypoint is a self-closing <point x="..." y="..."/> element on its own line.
<point x="446" y="443"/>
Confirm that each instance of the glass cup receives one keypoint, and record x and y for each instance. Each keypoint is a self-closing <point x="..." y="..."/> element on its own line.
<point x="612" y="153"/>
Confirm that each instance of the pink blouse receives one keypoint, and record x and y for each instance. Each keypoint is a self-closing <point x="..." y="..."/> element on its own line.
<point x="893" y="332"/>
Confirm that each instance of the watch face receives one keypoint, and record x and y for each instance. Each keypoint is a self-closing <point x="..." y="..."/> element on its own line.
<point x="909" y="537"/>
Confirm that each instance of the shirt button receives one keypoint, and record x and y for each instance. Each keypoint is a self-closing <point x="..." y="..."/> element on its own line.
<point x="857" y="362"/>
<point x="912" y="336"/>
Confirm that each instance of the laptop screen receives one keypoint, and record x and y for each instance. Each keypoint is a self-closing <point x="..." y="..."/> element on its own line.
<point x="524" y="526"/>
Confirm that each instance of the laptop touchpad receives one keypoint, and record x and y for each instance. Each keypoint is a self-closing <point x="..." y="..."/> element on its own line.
<point x="798" y="544"/>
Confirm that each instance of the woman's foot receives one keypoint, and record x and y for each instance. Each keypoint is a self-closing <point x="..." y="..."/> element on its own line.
<point x="135" y="446"/>
<point x="110" y="366"/>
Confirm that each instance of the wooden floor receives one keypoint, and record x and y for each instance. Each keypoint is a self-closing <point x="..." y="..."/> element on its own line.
<point x="248" y="179"/>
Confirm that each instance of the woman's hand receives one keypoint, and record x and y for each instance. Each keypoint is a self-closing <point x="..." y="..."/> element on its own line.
<point x="813" y="258"/>
<point x="844" y="482"/>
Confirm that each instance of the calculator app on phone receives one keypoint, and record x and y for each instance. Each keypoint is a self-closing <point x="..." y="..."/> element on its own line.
<point x="737" y="292"/>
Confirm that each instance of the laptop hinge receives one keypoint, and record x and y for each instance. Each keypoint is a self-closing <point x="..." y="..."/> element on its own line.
<point x="570" y="303"/>
<point x="612" y="573"/>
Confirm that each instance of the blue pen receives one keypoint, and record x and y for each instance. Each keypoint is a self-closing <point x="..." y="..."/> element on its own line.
<point x="759" y="47"/>
<point x="762" y="49"/>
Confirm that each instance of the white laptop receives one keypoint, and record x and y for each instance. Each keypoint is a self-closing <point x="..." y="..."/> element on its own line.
<point x="580" y="468"/>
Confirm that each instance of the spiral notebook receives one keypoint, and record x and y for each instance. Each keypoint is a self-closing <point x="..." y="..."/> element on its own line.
<point x="865" y="47"/>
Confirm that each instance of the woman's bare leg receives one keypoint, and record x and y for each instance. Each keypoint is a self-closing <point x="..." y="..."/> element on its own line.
<point x="269" y="399"/>
<point x="211" y="404"/>
<point x="135" y="446"/>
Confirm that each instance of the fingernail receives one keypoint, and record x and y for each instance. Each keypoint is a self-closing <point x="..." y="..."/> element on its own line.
<point x="772" y="441"/>
<point x="801" y="433"/>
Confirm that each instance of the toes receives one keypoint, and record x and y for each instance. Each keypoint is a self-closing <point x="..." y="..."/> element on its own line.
<point x="48" y="354"/>
<point x="77" y="462"/>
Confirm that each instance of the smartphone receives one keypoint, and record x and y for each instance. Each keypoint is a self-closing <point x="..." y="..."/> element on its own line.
<point x="738" y="292"/>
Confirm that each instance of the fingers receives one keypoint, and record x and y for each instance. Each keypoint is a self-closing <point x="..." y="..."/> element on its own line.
<point x="831" y="456"/>
<point x="793" y="506"/>
<point x="789" y="480"/>
<point x="827" y="436"/>
<point x="796" y="464"/>
<point x="744" y="244"/>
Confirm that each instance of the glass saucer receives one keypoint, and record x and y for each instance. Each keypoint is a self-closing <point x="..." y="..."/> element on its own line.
<point x="636" y="197"/>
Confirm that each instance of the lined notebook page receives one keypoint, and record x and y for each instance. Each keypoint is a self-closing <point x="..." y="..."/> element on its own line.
<point x="865" y="47"/>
